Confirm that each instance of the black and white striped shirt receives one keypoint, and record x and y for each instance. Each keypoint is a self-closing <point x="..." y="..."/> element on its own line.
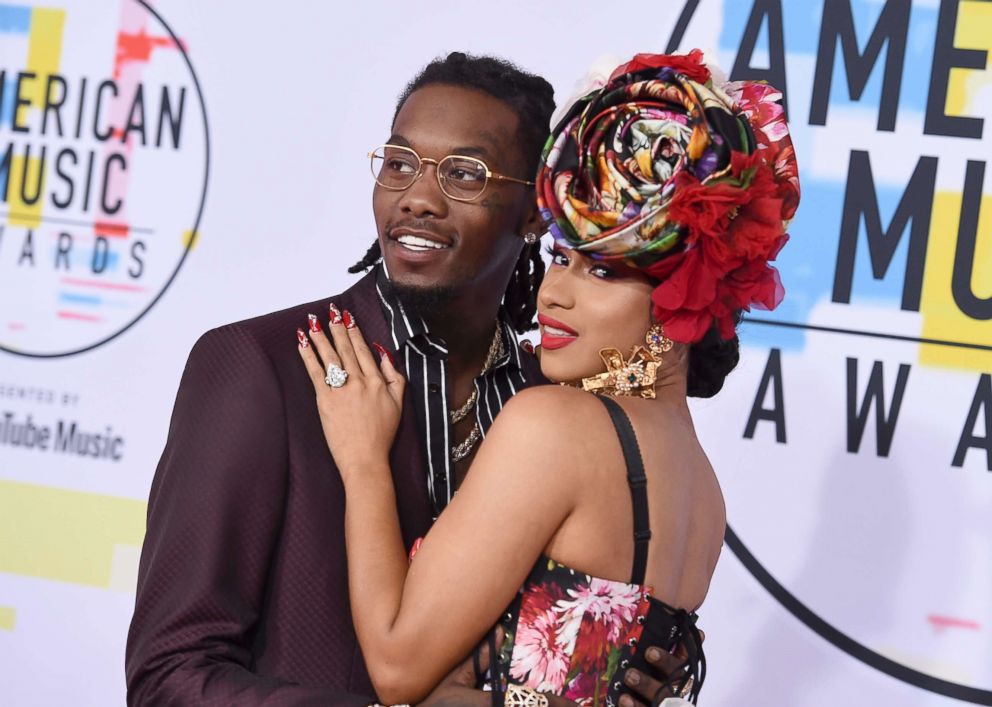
<point x="425" y="359"/>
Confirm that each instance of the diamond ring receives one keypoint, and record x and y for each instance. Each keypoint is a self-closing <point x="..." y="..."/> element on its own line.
<point x="336" y="376"/>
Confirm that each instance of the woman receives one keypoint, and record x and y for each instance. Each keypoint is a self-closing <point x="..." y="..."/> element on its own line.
<point x="597" y="519"/>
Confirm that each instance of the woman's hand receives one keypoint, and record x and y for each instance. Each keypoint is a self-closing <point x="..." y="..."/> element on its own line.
<point x="361" y="416"/>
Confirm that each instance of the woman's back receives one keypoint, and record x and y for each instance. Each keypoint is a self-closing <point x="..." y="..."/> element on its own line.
<point x="686" y="509"/>
<point x="633" y="557"/>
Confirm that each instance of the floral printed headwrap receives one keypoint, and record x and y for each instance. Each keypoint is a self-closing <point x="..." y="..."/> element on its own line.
<point x="691" y="180"/>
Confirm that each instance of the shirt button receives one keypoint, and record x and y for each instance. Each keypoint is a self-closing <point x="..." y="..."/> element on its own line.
<point x="433" y="388"/>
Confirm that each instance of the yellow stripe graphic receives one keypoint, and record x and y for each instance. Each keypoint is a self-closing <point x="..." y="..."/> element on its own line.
<point x="941" y="317"/>
<point x="44" y="51"/>
<point x="70" y="536"/>
<point x="7" y="616"/>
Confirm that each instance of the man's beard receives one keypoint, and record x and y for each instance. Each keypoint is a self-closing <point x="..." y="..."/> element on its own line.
<point x="426" y="302"/>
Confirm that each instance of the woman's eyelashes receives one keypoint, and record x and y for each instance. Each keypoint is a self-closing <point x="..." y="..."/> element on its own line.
<point x="560" y="258"/>
<point x="557" y="256"/>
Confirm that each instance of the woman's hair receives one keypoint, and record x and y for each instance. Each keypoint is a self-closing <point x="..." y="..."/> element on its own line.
<point x="711" y="360"/>
<point x="532" y="99"/>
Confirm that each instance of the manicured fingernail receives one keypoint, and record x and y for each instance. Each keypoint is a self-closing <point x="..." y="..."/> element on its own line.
<point x="349" y="321"/>
<point x="302" y="338"/>
<point x="632" y="677"/>
<point x="383" y="352"/>
<point x="335" y="314"/>
<point x="314" y="323"/>
<point x="527" y="346"/>
<point x="652" y="654"/>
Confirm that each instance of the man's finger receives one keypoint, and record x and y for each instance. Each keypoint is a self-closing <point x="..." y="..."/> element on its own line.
<point x="644" y="686"/>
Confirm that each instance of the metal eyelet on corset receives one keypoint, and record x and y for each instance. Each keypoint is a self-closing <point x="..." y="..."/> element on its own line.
<point x="624" y="664"/>
<point x="617" y="685"/>
<point x="508" y="618"/>
<point x="632" y="642"/>
<point x="640" y="619"/>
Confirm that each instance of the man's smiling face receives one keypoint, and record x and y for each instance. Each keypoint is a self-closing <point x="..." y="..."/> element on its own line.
<point x="472" y="245"/>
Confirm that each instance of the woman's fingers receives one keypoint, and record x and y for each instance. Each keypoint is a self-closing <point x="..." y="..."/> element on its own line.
<point x="321" y="343"/>
<point x="310" y="360"/>
<point x="395" y="382"/>
<point x="370" y="367"/>
<point x="340" y="323"/>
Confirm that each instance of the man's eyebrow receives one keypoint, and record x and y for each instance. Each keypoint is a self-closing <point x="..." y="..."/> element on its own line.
<point x="467" y="150"/>
<point x="471" y="150"/>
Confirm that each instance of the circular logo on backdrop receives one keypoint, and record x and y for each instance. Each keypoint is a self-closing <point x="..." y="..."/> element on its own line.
<point x="104" y="160"/>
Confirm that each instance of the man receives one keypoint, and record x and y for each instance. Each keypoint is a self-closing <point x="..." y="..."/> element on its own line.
<point x="242" y="587"/>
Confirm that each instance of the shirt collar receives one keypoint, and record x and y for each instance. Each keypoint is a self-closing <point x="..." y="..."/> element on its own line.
<point x="405" y="327"/>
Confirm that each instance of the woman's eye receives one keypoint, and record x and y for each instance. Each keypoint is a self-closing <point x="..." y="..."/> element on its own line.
<point x="601" y="271"/>
<point x="557" y="257"/>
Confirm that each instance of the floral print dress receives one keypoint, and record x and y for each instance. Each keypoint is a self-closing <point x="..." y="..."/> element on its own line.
<point x="573" y="635"/>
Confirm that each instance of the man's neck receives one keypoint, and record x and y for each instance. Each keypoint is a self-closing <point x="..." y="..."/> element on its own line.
<point x="468" y="336"/>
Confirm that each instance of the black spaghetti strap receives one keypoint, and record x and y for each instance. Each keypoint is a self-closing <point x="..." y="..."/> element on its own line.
<point x="637" y="482"/>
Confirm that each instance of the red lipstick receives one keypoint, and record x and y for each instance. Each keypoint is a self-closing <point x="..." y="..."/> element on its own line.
<point x="561" y="335"/>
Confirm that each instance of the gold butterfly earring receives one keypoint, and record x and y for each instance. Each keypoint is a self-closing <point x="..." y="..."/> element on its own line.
<point x="636" y="375"/>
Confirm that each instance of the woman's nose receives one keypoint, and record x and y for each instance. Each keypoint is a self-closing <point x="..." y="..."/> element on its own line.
<point x="556" y="290"/>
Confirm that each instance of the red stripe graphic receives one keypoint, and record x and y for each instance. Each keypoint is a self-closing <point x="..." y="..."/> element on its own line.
<point x="114" y="230"/>
<point x="942" y="622"/>
<point x="105" y="285"/>
<point x="78" y="315"/>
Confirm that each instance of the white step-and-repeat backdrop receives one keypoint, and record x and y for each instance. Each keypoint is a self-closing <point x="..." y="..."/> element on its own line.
<point x="171" y="165"/>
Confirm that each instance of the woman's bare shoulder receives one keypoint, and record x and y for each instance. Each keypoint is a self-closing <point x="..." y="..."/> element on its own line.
<point x="551" y="409"/>
<point x="556" y="424"/>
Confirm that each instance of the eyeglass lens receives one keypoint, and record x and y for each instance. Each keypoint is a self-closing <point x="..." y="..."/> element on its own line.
<point x="397" y="167"/>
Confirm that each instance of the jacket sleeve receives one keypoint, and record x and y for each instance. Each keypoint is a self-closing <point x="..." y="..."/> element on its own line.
<point x="214" y="517"/>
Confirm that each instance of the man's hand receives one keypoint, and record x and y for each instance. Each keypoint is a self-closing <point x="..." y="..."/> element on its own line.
<point x="652" y="689"/>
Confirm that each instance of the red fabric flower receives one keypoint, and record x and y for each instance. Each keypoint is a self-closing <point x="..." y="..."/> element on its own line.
<point x="690" y="64"/>
<point x="734" y="219"/>
<point x="682" y="301"/>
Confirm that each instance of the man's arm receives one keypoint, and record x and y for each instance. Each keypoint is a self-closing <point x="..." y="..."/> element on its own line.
<point x="214" y="517"/>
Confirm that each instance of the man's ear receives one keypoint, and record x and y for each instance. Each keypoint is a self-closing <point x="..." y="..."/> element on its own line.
<point x="532" y="221"/>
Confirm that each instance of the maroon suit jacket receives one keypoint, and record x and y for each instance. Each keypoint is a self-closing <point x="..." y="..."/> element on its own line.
<point x="242" y="592"/>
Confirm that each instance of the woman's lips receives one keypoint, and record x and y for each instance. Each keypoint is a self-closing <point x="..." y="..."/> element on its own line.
<point x="555" y="334"/>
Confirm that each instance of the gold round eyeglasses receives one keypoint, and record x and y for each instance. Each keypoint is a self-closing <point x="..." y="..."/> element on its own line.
<point x="461" y="178"/>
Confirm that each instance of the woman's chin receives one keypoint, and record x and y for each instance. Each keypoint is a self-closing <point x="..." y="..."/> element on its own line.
<point x="559" y="374"/>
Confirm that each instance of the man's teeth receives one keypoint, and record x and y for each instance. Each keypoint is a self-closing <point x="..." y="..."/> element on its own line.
<point x="420" y="244"/>
<point x="556" y="332"/>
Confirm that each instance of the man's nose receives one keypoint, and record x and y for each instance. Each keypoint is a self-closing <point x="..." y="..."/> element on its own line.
<point x="424" y="197"/>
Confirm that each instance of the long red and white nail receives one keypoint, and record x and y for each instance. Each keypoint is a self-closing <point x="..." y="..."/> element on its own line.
<point x="335" y="314"/>
<point x="349" y="320"/>
<point x="302" y="338"/>
<point x="383" y="352"/>
<point x="313" y="322"/>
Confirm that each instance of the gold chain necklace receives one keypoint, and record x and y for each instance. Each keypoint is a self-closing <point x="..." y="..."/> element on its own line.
<point x="464" y="448"/>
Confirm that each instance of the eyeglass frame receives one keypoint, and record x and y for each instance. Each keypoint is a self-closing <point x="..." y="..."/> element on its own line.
<point x="437" y="174"/>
